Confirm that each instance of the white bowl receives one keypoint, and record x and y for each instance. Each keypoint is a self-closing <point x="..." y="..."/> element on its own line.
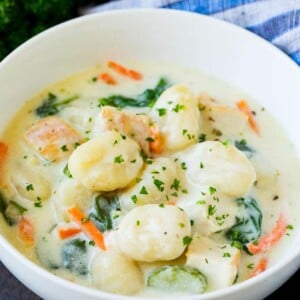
<point x="192" y="40"/>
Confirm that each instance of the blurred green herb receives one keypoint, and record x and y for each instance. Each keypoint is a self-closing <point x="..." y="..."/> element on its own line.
<point x="20" y="20"/>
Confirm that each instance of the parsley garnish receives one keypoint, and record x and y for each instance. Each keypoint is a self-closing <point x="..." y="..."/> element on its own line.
<point x="187" y="240"/>
<point x="143" y="191"/>
<point x="119" y="159"/>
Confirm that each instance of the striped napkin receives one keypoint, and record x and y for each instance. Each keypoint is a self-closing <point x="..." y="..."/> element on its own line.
<point x="277" y="21"/>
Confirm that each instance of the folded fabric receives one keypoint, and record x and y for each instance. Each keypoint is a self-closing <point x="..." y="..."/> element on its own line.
<point x="277" y="21"/>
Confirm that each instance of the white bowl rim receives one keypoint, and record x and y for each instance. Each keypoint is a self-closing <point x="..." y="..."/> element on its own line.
<point x="91" y="291"/>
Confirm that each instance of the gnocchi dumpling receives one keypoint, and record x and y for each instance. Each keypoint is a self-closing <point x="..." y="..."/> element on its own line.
<point x="154" y="232"/>
<point x="222" y="167"/>
<point x="178" y="117"/>
<point x="218" y="262"/>
<point x="106" y="163"/>
<point x="153" y="185"/>
<point x="113" y="272"/>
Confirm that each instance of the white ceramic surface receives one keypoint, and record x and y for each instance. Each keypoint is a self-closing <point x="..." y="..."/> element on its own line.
<point x="187" y="39"/>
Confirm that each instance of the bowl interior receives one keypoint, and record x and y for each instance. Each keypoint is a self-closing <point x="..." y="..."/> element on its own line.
<point x="191" y="40"/>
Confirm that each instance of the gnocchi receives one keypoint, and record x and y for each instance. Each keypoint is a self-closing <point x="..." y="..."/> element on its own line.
<point x="177" y="115"/>
<point x="106" y="163"/>
<point x="206" y="161"/>
<point x="154" y="232"/>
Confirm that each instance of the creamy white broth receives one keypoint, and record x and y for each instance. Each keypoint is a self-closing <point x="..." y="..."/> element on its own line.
<point x="274" y="160"/>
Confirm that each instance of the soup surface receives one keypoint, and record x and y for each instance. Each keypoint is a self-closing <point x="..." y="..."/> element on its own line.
<point x="147" y="180"/>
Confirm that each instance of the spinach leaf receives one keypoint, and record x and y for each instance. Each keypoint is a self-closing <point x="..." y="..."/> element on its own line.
<point x="248" y="224"/>
<point x="51" y="106"/>
<point x="75" y="257"/>
<point x="147" y="98"/>
<point x="242" y="146"/>
<point x="105" y="210"/>
<point x="10" y="210"/>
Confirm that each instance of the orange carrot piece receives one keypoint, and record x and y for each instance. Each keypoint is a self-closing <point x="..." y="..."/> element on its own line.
<point x="124" y="71"/>
<point x="156" y="146"/>
<point x="135" y="75"/>
<point x="65" y="233"/>
<point x="26" y="231"/>
<point x="88" y="227"/>
<point x="107" y="78"/>
<point x="3" y="155"/>
<point x="261" y="267"/>
<point x="265" y="242"/>
<point x="170" y="202"/>
<point x="243" y="106"/>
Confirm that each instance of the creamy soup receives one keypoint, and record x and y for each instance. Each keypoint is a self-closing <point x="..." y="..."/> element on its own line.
<point x="147" y="180"/>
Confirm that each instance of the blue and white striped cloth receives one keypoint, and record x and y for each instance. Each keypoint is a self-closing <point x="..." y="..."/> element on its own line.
<point x="277" y="21"/>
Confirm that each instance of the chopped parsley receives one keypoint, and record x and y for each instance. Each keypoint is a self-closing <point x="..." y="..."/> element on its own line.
<point x="226" y="254"/>
<point x="143" y="191"/>
<point x="159" y="184"/>
<point x="178" y="107"/>
<point x="161" y="111"/>
<point x="202" y="138"/>
<point x="212" y="190"/>
<point x="64" y="148"/>
<point x="183" y="166"/>
<point x="38" y="202"/>
<point x="187" y="240"/>
<point x="201" y="165"/>
<point x="175" y="185"/>
<point x="29" y="187"/>
<point x="134" y="199"/>
<point x="211" y="210"/>
<point x="119" y="159"/>
<point x="67" y="172"/>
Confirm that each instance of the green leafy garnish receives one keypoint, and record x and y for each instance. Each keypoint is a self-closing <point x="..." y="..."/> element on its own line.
<point x="147" y="98"/>
<point x="105" y="211"/>
<point x="248" y="224"/>
<point x="243" y="146"/>
<point x="51" y="106"/>
<point x="67" y="172"/>
<point x="75" y="257"/>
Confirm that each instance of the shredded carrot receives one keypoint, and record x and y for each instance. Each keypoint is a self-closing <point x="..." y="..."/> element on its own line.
<point x="156" y="146"/>
<point x="65" y="233"/>
<point x="170" y="202"/>
<point x="26" y="230"/>
<point x="88" y="227"/>
<point x="124" y="71"/>
<point x="261" y="267"/>
<point x="265" y="242"/>
<point x="243" y="106"/>
<point x="107" y="78"/>
<point x="3" y="155"/>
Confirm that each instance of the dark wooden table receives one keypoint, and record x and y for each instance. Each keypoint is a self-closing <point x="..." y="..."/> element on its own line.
<point x="12" y="289"/>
